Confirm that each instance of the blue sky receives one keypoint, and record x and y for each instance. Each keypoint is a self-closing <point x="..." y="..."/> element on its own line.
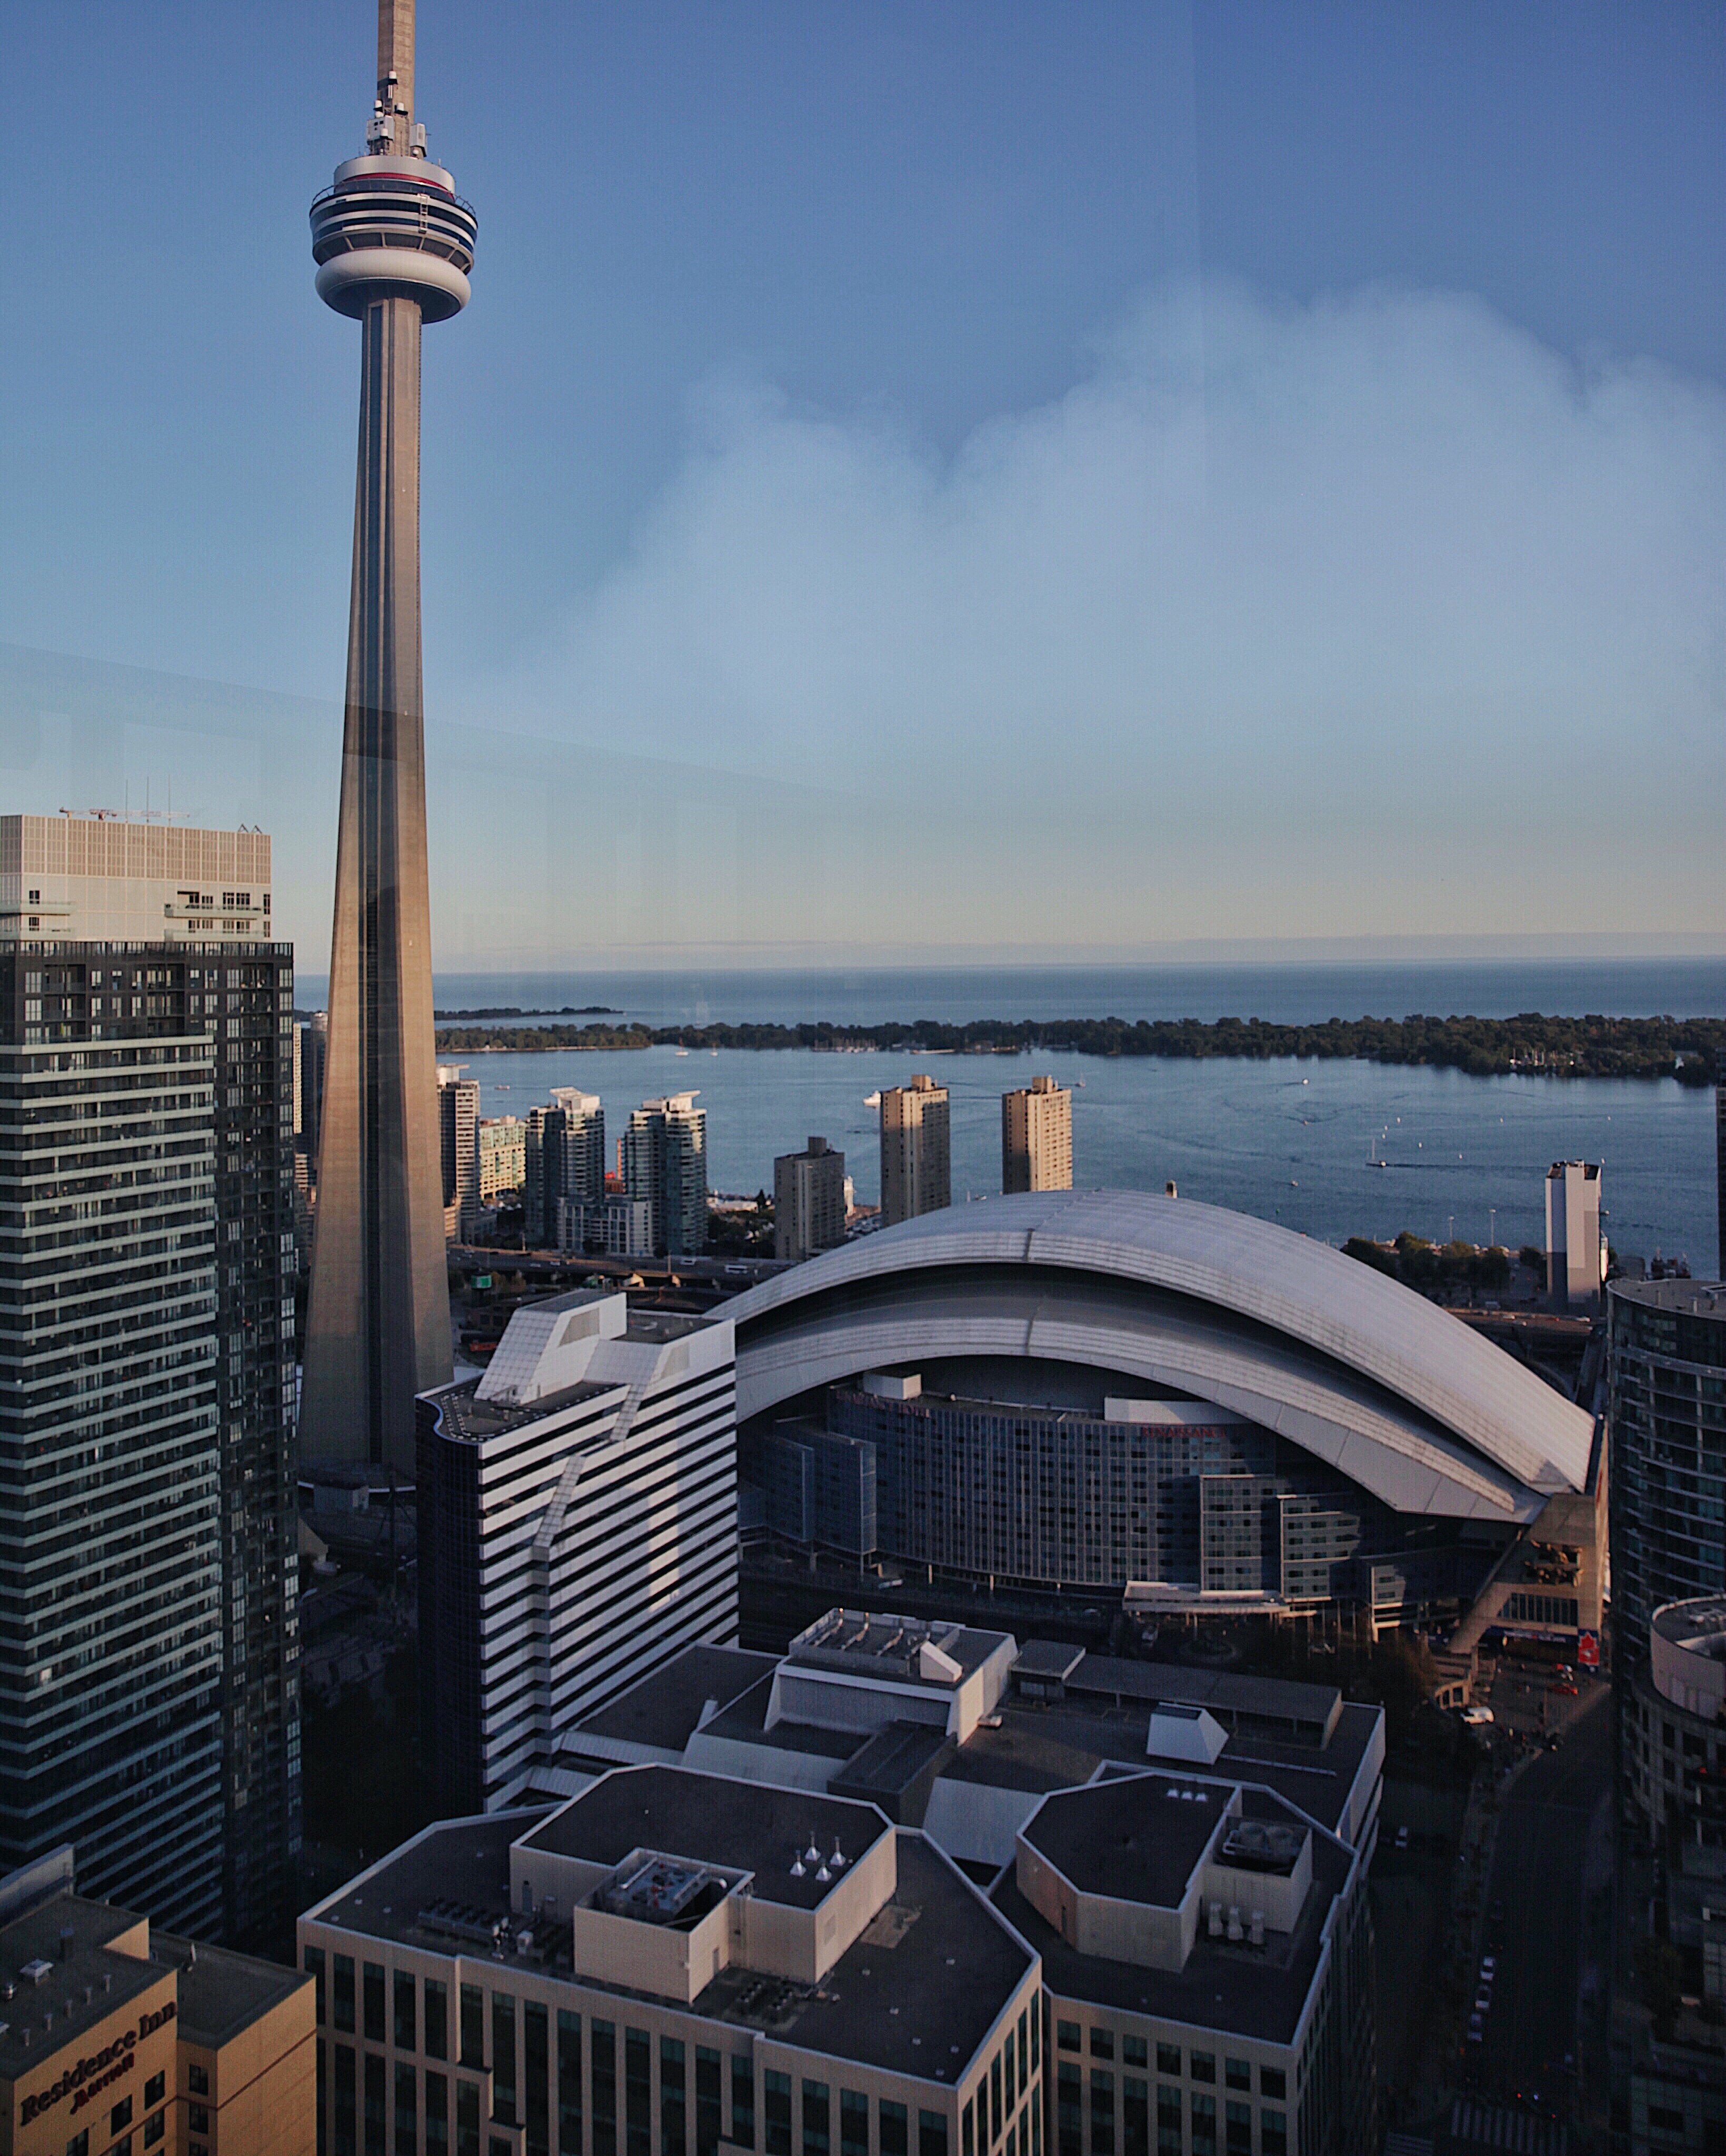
<point x="1261" y="464"/>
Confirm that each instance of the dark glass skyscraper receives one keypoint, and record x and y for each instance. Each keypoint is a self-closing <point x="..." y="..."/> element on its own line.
<point x="394" y="246"/>
<point x="149" y="1684"/>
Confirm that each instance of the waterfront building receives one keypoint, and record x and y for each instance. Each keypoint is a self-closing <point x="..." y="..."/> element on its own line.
<point x="564" y="1161"/>
<point x="809" y="1201"/>
<point x="393" y="244"/>
<point x="501" y="1145"/>
<point x="124" y="2036"/>
<point x="666" y="1169"/>
<point x="674" y="1961"/>
<point x="458" y="1139"/>
<point x="1666" y="1441"/>
<point x="1575" y="1257"/>
<point x="1113" y="1392"/>
<point x="147" y="1366"/>
<point x="576" y="1525"/>
<point x="1037" y="1138"/>
<point x="916" y="1151"/>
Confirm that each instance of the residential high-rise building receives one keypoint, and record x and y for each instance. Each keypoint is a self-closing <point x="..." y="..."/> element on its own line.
<point x="916" y="1159"/>
<point x="502" y="1143"/>
<point x="393" y="244"/>
<point x="666" y="1169"/>
<point x="1720" y="1179"/>
<point x="1037" y="1138"/>
<point x="564" y="1161"/>
<point x="578" y="1525"/>
<point x="458" y="1138"/>
<point x="1574" y="1255"/>
<point x="809" y="1201"/>
<point x="312" y="1046"/>
<point x="147" y="1365"/>
<point x="1666" y="1450"/>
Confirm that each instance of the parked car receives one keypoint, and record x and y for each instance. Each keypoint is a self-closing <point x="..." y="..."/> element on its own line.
<point x="1476" y="2034"/>
<point x="1488" y="1966"/>
<point x="1402" y="1837"/>
<point x="1482" y="2000"/>
<point x="1476" y="1718"/>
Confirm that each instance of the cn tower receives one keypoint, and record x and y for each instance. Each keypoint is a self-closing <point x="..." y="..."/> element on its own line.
<point x="394" y="246"/>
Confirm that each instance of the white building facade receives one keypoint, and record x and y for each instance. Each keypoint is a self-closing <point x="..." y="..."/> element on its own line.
<point x="578" y="1528"/>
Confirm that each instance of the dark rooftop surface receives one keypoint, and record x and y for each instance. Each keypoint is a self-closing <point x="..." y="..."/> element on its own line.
<point x="1061" y="1745"/>
<point x="222" y="1993"/>
<point x="1265" y="1699"/>
<point x="1047" y="1658"/>
<point x="462" y="1860"/>
<point x="1136" y="1840"/>
<point x="920" y="1990"/>
<point x="1027" y="1754"/>
<point x="893" y="1758"/>
<point x="745" y="1720"/>
<point x="1255" y="1993"/>
<point x="937" y="1953"/>
<point x="745" y="1826"/>
<point x="664" y="1709"/>
<point x="85" y="1959"/>
<point x="461" y="1414"/>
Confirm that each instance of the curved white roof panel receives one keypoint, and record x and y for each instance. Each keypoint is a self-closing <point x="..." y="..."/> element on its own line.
<point x="1405" y="1398"/>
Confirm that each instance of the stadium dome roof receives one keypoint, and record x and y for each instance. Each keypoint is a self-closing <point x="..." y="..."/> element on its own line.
<point x="1404" y="1398"/>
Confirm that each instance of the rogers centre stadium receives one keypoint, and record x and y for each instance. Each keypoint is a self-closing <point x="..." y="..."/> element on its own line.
<point x="1191" y="1408"/>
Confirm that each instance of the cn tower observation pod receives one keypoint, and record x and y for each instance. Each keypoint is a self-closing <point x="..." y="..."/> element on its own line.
<point x="393" y="227"/>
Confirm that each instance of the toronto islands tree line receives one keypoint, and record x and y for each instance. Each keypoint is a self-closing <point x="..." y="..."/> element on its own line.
<point x="1693" y="1050"/>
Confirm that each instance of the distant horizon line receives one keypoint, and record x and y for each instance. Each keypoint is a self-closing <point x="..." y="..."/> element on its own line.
<point x="1413" y="952"/>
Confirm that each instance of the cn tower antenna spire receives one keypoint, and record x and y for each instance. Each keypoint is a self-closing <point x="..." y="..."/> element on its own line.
<point x="394" y="243"/>
<point x="395" y="65"/>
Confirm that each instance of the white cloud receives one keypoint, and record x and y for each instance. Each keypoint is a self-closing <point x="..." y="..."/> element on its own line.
<point x="1372" y="614"/>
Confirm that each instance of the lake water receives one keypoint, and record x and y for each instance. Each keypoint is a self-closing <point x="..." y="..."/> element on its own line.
<point x="1289" y="1140"/>
<point x="1282" y="994"/>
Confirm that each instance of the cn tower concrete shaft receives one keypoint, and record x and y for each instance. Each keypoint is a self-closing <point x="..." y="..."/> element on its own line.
<point x="394" y="247"/>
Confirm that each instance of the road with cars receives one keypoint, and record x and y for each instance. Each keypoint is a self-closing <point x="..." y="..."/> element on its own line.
<point x="1536" y="1894"/>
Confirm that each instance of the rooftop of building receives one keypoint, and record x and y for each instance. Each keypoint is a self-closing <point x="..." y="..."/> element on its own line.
<point x="1255" y="1992"/>
<point x="59" y="1960"/>
<point x="1109" y="1838"/>
<point x="1040" y="1748"/>
<point x="665" y="1709"/>
<point x="917" y="1994"/>
<point x="745" y="1721"/>
<point x="484" y="1405"/>
<point x="874" y="1643"/>
<point x="1699" y="1625"/>
<point x="1683" y="1298"/>
<point x="222" y="1993"/>
<point x="742" y="1826"/>
<point x="1299" y="1709"/>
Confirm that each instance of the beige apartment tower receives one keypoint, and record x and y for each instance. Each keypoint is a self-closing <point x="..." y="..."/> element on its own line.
<point x="916" y="1152"/>
<point x="809" y="1201"/>
<point x="394" y="243"/>
<point x="1037" y="1138"/>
